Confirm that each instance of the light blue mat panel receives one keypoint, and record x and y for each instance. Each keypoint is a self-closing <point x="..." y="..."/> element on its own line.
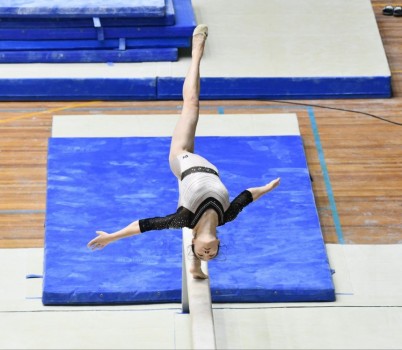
<point x="79" y="8"/>
<point x="65" y="22"/>
<point x="272" y="252"/>
<point x="90" y="56"/>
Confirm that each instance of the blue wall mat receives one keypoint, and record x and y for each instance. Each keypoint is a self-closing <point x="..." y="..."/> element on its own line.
<point x="79" y="8"/>
<point x="274" y="250"/>
<point x="61" y="22"/>
<point x="89" y="56"/>
<point x="67" y="89"/>
<point x="272" y="88"/>
<point x="11" y="45"/>
<point x="184" y="26"/>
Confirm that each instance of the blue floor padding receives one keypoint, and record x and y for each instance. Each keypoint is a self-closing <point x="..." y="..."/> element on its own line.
<point x="90" y="56"/>
<point x="79" y="8"/>
<point x="273" y="251"/>
<point x="76" y="22"/>
<point x="184" y="26"/>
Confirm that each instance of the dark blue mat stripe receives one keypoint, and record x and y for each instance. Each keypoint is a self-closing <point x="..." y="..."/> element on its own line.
<point x="274" y="250"/>
<point x="274" y="88"/>
<point x="23" y="45"/>
<point x="77" y="89"/>
<point x="70" y="89"/>
<point x="90" y="56"/>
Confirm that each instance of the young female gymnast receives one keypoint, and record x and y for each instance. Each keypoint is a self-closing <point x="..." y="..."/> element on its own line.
<point x="203" y="199"/>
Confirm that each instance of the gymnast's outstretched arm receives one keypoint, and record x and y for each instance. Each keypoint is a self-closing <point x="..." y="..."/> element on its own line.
<point x="179" y="219"/>
<point x="104" y="238"/>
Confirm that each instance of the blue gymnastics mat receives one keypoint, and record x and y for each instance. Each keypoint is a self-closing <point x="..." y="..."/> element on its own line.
<point x="79" y="8"/>
<point x="272" y="252"/>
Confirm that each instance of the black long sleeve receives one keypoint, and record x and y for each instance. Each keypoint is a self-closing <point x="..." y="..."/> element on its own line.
<point x="185" y="218"/>
<point x="180" y="219"/>
<point x="237" y="205"/>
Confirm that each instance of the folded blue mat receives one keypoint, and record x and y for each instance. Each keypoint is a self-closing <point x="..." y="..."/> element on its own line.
<point x="11" y="45"/>
<point x="90" y="56"/>
<point x="184" y="26"/>
<point x="79" y="8"/>
<point x="76" y="22"/>
<point x="273" y="251"/>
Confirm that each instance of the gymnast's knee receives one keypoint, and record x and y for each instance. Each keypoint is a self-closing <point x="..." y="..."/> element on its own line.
<point x="191" y="100"/>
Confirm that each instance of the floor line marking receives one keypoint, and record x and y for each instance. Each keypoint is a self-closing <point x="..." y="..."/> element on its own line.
<point x="46" y="111"/>
<point x="325" y="173"/>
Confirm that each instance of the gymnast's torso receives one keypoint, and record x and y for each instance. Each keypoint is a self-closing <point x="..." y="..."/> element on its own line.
<point x="199" y="180"/>
<point x="200" y="189"/>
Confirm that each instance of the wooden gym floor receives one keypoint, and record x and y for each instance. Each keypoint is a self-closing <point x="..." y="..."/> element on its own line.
<point x="355" y="159"/>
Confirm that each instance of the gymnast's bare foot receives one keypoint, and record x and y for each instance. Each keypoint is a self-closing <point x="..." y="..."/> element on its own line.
<point x="196" y="271"/>
<point x="200" y="35"/>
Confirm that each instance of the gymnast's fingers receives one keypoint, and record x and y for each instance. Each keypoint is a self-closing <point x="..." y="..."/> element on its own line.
<point x="275" y="182"/>
<point x="94" y="244"/>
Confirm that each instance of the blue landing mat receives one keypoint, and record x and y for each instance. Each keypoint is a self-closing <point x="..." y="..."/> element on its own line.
<point x="273" y="251"/>
<point x="79" y="8"/>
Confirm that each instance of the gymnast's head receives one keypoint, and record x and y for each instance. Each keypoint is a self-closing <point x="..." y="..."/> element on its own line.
<point x="205" y="244"/>
<point x="205" y="248"/>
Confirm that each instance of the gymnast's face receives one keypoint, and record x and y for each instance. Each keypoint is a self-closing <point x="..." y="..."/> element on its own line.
<point x="205" y="250"/>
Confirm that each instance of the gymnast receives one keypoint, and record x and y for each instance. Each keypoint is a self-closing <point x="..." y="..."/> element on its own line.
<point x="203" y="199"/>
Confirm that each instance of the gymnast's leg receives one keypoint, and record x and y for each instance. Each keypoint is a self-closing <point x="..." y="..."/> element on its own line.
<point x="184" y="132"/>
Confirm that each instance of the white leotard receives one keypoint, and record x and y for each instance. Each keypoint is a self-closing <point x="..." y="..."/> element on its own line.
<point x="198" y="186"/>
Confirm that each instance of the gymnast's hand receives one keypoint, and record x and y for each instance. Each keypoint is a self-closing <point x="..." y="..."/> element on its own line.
<point x="257" y="192"/>
<point x="273" y="184"/>
<point x="101" y="241"/>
